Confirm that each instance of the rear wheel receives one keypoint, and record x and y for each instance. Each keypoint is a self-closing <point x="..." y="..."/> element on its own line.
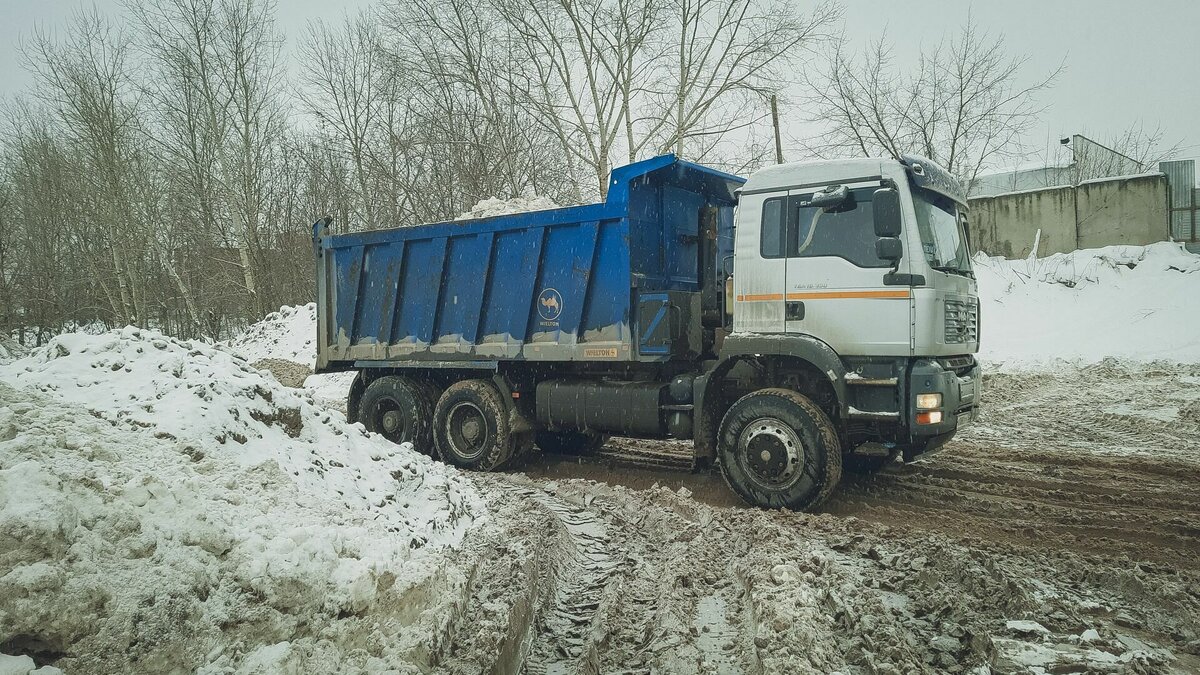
<point x="354" y="397"/>
<point x="778" y="449"/>
<point x="570" y="442"/>
<point x="400" y="410"/>
<point x="471" y="428"/>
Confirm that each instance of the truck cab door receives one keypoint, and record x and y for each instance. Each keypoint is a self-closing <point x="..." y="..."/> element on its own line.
<point x="834" y="286"/>
<point x="759" y="264"/>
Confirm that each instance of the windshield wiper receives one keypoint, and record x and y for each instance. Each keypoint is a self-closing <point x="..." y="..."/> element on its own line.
<point x="953" y="270"/>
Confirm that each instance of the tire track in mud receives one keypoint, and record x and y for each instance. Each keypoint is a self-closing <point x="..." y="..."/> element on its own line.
<point x="563" y="638"/>
<point x="1054" y="509"/>
<point x="605" y="582"/>
<point x="648" y="580"/>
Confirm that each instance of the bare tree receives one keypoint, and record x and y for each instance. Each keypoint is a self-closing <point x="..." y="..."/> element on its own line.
<point x="967" y="105"/>
<point x="85" y="79"/>
<point x="343" y="86"/>
<point x="465" y="114"/>
<point x="217" y="100"/>
<point x="726" y="59"/>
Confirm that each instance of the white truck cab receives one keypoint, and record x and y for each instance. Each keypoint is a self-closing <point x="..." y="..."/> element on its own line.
<point x="815" y="270"/>
<point x="861" y="269"/>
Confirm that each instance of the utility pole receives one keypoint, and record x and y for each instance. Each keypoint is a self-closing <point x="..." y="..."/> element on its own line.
<point x="775" y="124"/>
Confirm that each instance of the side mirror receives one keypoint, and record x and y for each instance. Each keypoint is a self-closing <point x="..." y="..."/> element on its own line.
<point x="834" y="195"/>
<point x="727" y="266"/>
<point x="889" y="248"/>
<point x="886" y="209"/>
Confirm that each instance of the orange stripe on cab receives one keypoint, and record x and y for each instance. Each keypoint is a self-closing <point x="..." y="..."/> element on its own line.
<point x="836" y="295"/>
<point x="826" y="295"/>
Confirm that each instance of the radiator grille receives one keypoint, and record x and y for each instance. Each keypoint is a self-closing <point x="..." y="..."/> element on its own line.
<point x="962" y="321"/>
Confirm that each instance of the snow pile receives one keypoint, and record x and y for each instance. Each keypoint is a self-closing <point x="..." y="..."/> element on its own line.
<point x="1128" y="302"/>
<point x="492" y="207"/>
<point x="163" y="507"/>
<point x="288" y="335"/>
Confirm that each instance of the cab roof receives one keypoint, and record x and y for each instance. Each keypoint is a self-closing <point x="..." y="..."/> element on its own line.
<point x="820" y="172"/>
<point x="924" y="172"/>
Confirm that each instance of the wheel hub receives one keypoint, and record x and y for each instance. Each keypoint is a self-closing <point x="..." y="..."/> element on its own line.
<point x="467" y="429"/>
<point x="392" y="421"/>
<point x="470" y="429"/>
<point x="772" y="452"/>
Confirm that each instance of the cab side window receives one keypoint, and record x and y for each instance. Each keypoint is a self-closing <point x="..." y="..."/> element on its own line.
<point x="771" y="242"/>
<point x="800" y="231"/>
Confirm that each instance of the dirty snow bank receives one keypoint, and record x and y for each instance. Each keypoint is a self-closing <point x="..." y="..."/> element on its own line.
<point x="1128" y="302"/>
<point x="164" y="507"/>
<point x="492" y="207"/>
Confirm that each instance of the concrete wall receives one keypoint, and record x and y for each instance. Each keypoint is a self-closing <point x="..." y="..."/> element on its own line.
<point x="1123" y="210"/>
<point x="1007" y="224"/>
<point x="1102" y="212"/>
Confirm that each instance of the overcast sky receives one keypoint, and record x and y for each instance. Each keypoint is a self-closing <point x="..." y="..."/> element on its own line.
<point x="1125" y="61"/>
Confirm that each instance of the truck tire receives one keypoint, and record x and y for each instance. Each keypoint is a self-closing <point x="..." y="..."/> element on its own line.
<point x="354" y="397"/>
<point x="471" y="429"/>
<point x="570" y="442"/>
<point x="778" y="449"/>
<point x="400" y="410"/>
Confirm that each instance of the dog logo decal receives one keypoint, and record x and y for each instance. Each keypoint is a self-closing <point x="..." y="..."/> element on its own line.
<point x="549" y="304"/>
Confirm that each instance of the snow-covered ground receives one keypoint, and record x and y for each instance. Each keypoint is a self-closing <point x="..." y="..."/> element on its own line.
<point x="164" y="506"/>
<point x="1138" y="303"/>
<point x="290" y="335"/>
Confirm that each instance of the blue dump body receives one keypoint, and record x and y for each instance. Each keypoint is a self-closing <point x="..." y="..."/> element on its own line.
<point x="600" y="282"/>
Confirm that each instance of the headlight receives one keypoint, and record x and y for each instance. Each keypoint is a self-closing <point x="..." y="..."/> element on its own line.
<point x="929" y="401"/>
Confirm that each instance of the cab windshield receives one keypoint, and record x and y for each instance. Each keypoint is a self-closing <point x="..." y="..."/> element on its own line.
<point x="942" y="238"/>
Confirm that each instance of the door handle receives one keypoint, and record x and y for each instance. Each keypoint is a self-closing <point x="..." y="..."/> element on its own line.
<point x="793" y="310"/>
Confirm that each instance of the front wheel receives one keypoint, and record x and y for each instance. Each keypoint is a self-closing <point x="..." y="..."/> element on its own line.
<point x="778" y="449"/>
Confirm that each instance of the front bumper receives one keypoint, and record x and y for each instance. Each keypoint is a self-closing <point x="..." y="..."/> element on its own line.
<point x="959" y="382"/>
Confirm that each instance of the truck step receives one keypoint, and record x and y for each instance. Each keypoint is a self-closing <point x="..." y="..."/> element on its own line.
<point x="860" y="381"/>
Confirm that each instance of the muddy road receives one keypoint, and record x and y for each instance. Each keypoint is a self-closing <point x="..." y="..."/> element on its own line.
<point x="1061" y="534"/>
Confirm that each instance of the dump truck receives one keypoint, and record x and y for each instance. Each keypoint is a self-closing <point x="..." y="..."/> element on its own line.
<point x="816" y="318"/>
